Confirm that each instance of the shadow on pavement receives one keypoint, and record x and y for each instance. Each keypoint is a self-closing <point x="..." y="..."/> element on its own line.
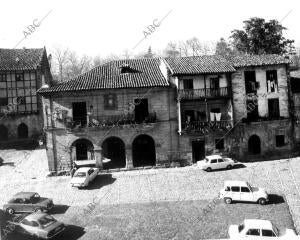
<point x="275" y="199"/>
<point x="59" y="209"/>
<point x="101" y="181"/>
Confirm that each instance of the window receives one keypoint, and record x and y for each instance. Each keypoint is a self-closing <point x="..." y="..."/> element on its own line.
<point x="267" y="233"/>
<point x="245" y="189"/>
<point x="188" y="84"/>
<point x="19" y="77"/>
<point x="189" y="115"/>
<point x="253" y="232"/>
<point x="3" y="101"/>
<point x="252" y="109"/>
<point x="273" y="105"/>
<point x="110" y="101"/>
<point x="219" y="144"/>
<point x="220" y="160"/>
<point x="214" y="83"/>
<point x="227" y="189"/>
<point x="272" y="85"/>
<point x="2" y="77"/>
<point x="213" y="161"/>
<point x="241" y="227"/>
<point x="250" y="81"/>
<point x="279" y="140"/>
<point x="235" y="189"/>
<point x="21" y="100"/>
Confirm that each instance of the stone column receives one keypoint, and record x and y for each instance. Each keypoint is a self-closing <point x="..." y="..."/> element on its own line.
<point x="128" y="153"/>
<point x="73" y="154"/>
<point x="98" y="157"/>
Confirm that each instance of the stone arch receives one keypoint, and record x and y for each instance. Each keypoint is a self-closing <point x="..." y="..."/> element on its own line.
<point x="3" y="133"/>
<point x="84" y="149"/>
<point x="113" y="148"/>
<point x="22" y="131"/>
<point x="143" y="151"/>
<point x="254" y="145"/>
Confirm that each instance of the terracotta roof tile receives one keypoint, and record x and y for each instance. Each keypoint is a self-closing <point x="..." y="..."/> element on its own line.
<point x="140" y="73"/>
<point x="257" y="60"/>
<point x="200" y="65"/>
<point x="20" y="59"/>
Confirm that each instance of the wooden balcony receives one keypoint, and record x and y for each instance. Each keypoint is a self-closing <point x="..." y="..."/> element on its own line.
<point x="190" y="94"/>
<point x="109" y="121"/>
<point x="204" y="127"/>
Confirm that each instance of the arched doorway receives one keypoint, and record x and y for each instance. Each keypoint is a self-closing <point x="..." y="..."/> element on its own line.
<point x="143" y="151"/>
<point x="22" y="131"/>
<point x="254" y="145"/>
<point x="84" y="149"/>
<point x="113" y="148"/>
<point x="3" y="133"/>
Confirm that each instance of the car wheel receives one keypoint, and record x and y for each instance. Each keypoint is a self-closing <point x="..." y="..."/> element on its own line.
<point x="208" y="169"/>
<point x="10" y="211"/>
<point x="229" y="167"/>
<point x="228" y="200"/>
<point x="262" y="201"/>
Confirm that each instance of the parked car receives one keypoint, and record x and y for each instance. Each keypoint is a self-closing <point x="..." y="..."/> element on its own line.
<point x="213" y="162"/>
<point x="259" y="229"/>
<point x="28" y="202"/>
<point x="243" y="191"/>
<point x="39" y="225"/>
<point x="83" y="176"/>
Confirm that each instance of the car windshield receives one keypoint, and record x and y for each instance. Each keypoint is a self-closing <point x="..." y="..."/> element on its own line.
<point x="46" y="220"/>
<point x="206" y="160"/>
<point x="241" y="227"/>
<point x="80" y="174"/>
<point x="249" y="187"/>
<point x="35" y="198"/>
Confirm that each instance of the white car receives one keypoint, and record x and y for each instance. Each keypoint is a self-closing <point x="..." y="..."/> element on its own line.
<point x="259" y="229"/>
<point x="213" y="162"/>
<point x="243" y="191"/>
<point x="83" y="176"/>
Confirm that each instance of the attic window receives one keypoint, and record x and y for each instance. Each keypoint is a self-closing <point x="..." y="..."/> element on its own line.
<point x="125" y="68"/>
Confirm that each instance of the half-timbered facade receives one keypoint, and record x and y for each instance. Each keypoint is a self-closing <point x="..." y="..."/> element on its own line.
<point x="22" y="73"/>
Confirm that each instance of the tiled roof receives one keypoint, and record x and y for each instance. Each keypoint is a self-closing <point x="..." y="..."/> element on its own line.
<point x="199" y="65"/>
<point x="257" y="60"/>
<point x="295" y="74"/>
<point x="20" y="59"/>
<point x="142" y="73"/>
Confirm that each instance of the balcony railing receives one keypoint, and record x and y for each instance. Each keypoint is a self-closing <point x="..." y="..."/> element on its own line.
<point x="203" y="93"/>
<point x="204" y="127"/>
<point x="108" y="121"/>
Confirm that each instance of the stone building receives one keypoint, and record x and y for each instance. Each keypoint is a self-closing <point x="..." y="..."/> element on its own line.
<point x="295" y="86"/>
<point x="126" y="108"/>
<point x="204" y="103"/>
<point x="262" y="100"/>
<point x="22" y="72"/>
<point x="149" y="112"/>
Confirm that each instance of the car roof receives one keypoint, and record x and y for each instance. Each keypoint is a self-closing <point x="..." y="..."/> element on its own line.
<point x="83" y="169"/>
<point x="258" y="223"/>
<point x="36" y="216"/>
<point x="235" y="183"/>
<point x="213" y="157"/>
<point x="24" y="194"/>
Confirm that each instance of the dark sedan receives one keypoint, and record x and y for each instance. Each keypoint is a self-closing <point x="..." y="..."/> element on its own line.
<point x="28" y="202"/>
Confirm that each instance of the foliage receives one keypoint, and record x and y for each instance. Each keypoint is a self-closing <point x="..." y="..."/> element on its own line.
<point x="261" y="37"/>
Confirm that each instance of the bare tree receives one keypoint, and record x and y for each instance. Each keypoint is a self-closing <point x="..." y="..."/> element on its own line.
<point x="60" y="59"/>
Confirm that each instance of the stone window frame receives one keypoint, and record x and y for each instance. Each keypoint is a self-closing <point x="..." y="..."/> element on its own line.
<point x="280" y="142"/>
